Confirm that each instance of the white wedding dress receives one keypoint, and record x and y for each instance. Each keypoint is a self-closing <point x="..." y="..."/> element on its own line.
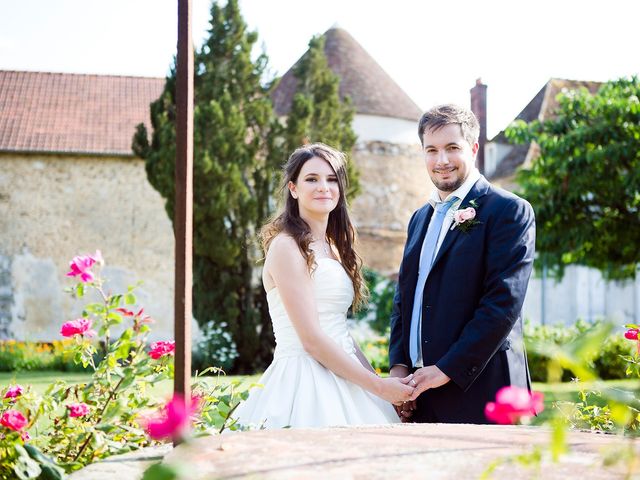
<point x="298" y="391"/>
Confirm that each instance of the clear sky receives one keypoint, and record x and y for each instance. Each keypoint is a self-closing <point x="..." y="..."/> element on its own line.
<point x="434" y="50"/>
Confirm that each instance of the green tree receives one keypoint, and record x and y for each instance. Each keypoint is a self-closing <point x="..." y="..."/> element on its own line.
<point x="318" y="114"/>
<point x="235" y="173"/>
<point x="585" y="183"/>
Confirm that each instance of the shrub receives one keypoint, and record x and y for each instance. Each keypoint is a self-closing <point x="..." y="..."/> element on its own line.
<point x="378" y="311"/>
<point x="607" y="362"/>
<point x="25" y="355"/>
<point x="376" y="349"/>
<point x="44" y="436"/>
<point x="215" y="348"/>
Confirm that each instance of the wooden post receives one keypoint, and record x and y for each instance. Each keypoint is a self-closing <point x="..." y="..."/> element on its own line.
<point x="183" y="220"/>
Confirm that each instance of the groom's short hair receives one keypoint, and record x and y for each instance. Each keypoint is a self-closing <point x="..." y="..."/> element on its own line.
<point x="442" y="115"/>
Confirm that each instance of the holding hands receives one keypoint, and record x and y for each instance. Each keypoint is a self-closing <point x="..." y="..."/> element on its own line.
<point x="422" y="379"/>
<point x="396" y="390"/>
<point x="428" y="377"/>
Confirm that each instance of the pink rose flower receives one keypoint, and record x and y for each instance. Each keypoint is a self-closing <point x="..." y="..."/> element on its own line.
<point x="78" y="409"/>
<point x="512" y="404"/>
<point x="14" y="391"/>
<point x="13" y="420"/>
<point x="80" y="326"/>
<point x="632" y="334"/>
<point x="175" y="418"/>
<point x="461" y="216"/>
<point x="162" y="348"/>
<point x="81" y="264"/>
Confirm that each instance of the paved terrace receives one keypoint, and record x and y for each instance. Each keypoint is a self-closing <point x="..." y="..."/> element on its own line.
<point x="407" y="451"/>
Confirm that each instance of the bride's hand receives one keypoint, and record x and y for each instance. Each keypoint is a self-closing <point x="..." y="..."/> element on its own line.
<point x="396" y="390"/>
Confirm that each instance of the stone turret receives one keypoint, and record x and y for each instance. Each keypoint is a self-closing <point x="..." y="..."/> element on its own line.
<point x="387" y="153"/>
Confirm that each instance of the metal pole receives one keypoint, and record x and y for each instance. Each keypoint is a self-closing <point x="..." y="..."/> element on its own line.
<point x="183" y="215"/>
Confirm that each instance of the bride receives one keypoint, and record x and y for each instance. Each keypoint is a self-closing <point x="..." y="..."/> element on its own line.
<point x="312" y="275"/>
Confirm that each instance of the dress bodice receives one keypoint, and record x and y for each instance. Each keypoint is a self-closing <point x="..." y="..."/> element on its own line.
<point x="334" y="294"/>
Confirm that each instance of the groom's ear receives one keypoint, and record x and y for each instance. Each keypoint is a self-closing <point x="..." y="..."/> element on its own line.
<point x="474" y="148"/>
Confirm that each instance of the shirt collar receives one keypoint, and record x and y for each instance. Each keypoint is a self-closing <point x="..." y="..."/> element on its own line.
<point x="461" y="192"/>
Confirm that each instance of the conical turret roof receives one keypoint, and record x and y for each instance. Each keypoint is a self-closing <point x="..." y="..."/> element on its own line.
<point x="372" y="90"/>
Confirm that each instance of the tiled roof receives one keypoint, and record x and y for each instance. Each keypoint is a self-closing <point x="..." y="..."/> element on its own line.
<point x="71" y="113"/>
<point x="541" y="107"/>
<point x="371" y="89"/>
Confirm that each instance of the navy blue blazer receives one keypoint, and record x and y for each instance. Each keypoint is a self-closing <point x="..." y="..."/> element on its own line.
<point x="472" y="302"/>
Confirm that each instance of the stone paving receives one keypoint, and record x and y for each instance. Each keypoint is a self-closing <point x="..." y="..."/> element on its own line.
<point x="407" y="451"/>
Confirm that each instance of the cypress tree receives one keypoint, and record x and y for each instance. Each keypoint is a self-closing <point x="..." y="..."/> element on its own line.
<point x="235" y="171"/>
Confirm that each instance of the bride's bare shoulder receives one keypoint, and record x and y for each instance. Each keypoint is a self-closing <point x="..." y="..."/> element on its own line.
<point x="283" y="248"/>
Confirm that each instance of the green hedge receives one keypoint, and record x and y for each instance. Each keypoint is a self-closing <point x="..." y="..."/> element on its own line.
<point x="25" y="355"/>
<point x="608" y="363"/>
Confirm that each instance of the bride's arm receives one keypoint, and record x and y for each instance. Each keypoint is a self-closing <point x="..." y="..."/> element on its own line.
<point x="363" y="360"/>
<point x="288" y="269"/>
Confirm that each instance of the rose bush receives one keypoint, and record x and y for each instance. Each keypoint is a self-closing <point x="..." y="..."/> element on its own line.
<point x="74" y="425"/>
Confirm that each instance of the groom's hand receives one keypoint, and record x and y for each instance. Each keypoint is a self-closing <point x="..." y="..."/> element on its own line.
<point x="428" y="377"/>
<point x="405" y="409"/>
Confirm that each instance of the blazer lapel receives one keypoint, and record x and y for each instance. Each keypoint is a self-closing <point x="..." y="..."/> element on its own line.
<point x="478" y="190"/>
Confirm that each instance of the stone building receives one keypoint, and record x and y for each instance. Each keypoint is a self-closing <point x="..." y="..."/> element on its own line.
<point x="388" y="155"/>
<point x="69" y="184"/>
<point x="582" y="293"/>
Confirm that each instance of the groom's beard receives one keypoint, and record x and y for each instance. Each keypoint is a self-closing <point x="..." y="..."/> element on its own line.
<point x="448" y="186"/>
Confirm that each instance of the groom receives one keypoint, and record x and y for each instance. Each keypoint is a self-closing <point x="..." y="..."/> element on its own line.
<point x="456" y="318"/>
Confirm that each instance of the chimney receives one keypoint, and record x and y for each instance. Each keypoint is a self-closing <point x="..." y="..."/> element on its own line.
<point x="479" y="108"/>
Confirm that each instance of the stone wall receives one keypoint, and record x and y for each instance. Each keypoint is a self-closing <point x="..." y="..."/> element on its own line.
<point x="394" y="184"/>
<point x="54" y="207"/>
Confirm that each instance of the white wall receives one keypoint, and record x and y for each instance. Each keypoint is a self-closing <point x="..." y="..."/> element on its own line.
<point x="385" y="129"/>
<point x="582" y="293"/>
<point x="493" y="155"/>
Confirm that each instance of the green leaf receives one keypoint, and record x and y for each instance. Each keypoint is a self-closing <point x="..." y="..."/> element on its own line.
<point x="114" y="301"/>
<point x="105" y="427"/>
<point x="130" y="298"/>
<point x="160" y="471"/>
<point x="114" y="318"/>
<point x="51" y="472"/>
<point x="25" y="467"/>
<point x="129" y="379"/>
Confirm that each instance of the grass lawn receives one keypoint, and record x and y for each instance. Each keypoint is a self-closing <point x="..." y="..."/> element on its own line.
<point x="40" y="380"/>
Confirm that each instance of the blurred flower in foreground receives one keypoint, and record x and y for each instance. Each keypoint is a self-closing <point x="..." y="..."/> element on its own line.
<point x="512" y="404"/>
<point x="174" y="420"/>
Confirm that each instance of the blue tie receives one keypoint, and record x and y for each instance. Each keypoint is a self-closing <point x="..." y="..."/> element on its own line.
<point x="426" y="260"/>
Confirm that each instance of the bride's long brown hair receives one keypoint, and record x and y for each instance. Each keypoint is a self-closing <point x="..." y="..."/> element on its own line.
<point x="340" y="230"/>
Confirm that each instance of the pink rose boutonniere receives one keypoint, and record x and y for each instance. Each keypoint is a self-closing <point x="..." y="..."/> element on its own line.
<point x="464" y="219"/>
